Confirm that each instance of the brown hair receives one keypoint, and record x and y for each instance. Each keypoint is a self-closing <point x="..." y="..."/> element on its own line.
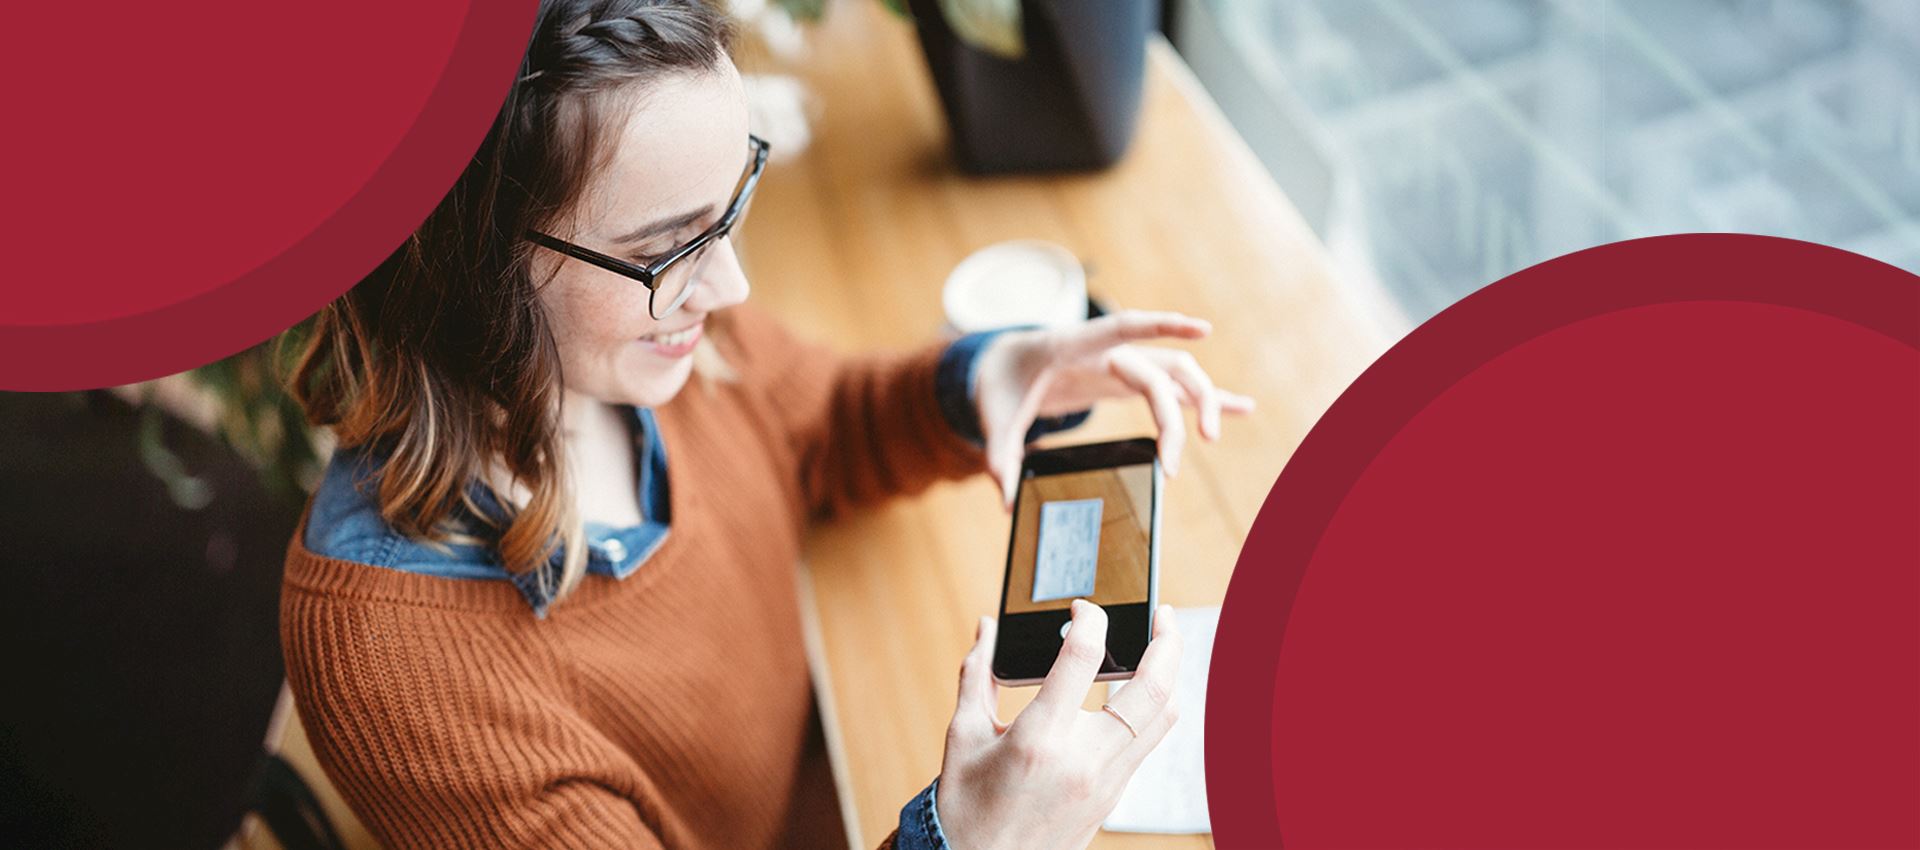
<point x="442" y="358"/>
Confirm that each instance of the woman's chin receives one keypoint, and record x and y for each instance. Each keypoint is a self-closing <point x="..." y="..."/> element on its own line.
<point x="660" y="386"/>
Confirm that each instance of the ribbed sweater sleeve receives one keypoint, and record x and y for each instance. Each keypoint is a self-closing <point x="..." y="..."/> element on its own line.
<point x="861" y="427"/>
<point x="447" y="730"/>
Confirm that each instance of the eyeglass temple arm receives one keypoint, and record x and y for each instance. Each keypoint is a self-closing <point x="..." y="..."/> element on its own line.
<point x="612" y="264"/>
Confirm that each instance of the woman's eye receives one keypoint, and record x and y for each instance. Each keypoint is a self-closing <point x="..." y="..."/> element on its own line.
<point x="652" y="257"/>
<point x="681" y="237"/>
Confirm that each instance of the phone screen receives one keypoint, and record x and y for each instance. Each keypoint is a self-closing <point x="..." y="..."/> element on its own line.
<point x="1079" y="534"/>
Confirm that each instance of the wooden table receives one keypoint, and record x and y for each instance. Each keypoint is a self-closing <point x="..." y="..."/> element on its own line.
<point x="850" y="242"/>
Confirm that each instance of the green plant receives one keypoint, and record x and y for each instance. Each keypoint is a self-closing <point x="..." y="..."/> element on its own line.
<point x="989" y="25"/>
<point x="811" y="10"/>
<point x="253" y="414"/>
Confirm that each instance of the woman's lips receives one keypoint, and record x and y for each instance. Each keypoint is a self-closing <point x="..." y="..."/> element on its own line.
<point x="676" y="344"/>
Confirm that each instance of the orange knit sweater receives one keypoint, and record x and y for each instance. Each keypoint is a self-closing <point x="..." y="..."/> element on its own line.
<point x="666" y="709"/>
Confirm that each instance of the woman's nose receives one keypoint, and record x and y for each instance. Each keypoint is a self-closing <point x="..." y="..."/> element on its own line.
<point x="722" y="282"/>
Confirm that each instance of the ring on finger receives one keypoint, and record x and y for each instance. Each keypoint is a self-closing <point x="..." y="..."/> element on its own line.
<point x="1108" y="708"/>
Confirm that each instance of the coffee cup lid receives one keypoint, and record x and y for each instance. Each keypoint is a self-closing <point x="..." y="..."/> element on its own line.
<point x="1021" y="282"/>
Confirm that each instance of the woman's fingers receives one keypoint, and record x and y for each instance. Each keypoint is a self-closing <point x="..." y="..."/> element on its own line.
<point x="1007" y="439"/>
<point x="1081" y="655"/>
<point x="1195" y="386"/>
<point x="1200" y="391"/>
<point x="1150" y="692"/>
<point x="1165" y="377"/>
<point x="977" y="710"/>
<point x="1163" y="396"/>
<point x="1131" y="326"/>
<point x="1152" y="733"/>
<point x="1003" y="463"/>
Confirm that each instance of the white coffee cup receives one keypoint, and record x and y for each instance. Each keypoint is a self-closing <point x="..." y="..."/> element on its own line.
<point x="1021" y="282"/>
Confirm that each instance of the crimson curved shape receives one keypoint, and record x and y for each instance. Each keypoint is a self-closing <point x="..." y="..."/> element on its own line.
<point x="209" y="321"/>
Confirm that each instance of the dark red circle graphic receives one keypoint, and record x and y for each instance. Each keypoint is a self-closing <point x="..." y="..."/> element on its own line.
<point x="1621" y="551"/>
<point x="190" y="179"/>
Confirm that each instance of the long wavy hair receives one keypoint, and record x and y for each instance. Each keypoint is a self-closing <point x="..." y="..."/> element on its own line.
<point x="442" y="359"/>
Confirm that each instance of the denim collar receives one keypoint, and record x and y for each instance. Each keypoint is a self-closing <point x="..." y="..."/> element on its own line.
<point x="345" y="523"/>
<point x="613" y="551"/>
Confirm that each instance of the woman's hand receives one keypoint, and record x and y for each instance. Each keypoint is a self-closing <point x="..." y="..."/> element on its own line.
<point x="1048" y="779"/>
<point x="1027" y="374"/>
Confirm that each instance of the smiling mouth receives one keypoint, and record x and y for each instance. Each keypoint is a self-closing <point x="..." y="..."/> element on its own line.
<point x="671" y="339"/>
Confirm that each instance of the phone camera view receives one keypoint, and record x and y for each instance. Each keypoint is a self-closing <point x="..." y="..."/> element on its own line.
<point x="1080" y="533"/>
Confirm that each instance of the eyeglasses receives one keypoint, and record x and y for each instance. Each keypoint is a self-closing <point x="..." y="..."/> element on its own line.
<point x="669" y="280"/>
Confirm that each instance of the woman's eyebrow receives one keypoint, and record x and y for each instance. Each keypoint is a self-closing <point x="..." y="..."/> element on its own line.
<point x="665" y="225"/>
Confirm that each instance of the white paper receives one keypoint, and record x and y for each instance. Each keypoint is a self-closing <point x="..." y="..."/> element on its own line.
<point x="1169" y="791"/>
<point x="1069" y="549"/>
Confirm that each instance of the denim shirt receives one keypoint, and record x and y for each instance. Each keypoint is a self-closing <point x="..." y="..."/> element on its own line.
<point x="345" y="523"/>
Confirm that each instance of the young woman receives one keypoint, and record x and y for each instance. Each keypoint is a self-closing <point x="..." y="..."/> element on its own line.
<point x="544" y="596"/>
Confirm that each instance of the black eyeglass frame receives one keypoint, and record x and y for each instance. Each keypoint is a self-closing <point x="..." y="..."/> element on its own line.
<point x="649" y="275"/>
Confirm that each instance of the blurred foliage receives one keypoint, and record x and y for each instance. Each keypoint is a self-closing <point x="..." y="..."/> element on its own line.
<point x="189" y="492"/>
<point x="992" y="26"/>
<point x="257" y="418"/>
<point x="803" y="10"/>
<point x="808" y="11"/>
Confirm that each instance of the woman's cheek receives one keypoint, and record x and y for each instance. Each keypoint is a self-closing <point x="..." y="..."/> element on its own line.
<point x="601" y="316"/>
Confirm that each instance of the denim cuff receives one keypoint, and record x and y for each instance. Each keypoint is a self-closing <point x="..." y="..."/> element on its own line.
<point x="920" y="823"/>
<point x="953" y="384"/>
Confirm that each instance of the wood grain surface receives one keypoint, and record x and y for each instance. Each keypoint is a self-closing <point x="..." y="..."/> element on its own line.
<point x="850" y="241"/>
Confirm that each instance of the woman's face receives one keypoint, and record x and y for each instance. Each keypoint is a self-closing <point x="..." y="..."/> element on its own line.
<point x="674" y="164"/>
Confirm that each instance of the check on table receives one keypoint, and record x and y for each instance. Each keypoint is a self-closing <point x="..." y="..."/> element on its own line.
<point x="849" y="244"/>
<point x="1069" y="549"/>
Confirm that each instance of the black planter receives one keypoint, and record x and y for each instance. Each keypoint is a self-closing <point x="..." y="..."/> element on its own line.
<point x="145" y="655"/>
<point x="1069" y="104"/>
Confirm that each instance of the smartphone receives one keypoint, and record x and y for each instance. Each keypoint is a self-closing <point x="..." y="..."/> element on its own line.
<point x="1086" y="525"/>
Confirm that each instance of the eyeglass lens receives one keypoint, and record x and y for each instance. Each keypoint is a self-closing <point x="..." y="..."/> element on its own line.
<point x="675" y="284"/>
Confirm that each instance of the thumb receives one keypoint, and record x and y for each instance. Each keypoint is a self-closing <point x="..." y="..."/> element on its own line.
<point x="978" y="706"/>
<point x="1006" y="442"/>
